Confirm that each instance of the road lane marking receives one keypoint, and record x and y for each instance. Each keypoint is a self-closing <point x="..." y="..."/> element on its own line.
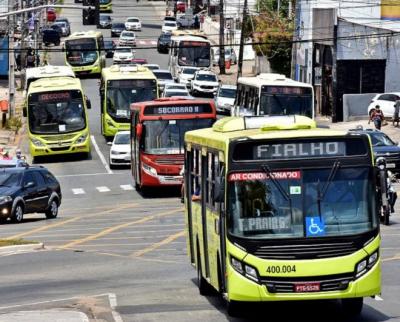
<point x="102" y="189"/>
<point x="47" y="227"/>
<point x="101" y="156"/>
<point x="127" y="244"/>
<point x="112" y="298"/>
<point x="117" y="227"/>
<point x="165" y="241"/>
<point x="86" y="174"/>
<point x="78" y="191"/>
<point x="130" y="187"/>
<point x="394" y="258"/>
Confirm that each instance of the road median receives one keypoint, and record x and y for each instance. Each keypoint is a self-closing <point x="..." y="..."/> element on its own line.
<point x="12" y="246"/>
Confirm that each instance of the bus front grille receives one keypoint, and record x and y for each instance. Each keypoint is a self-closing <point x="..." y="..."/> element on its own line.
<point x="306" y="251"/>
<point x="62" y="148"/>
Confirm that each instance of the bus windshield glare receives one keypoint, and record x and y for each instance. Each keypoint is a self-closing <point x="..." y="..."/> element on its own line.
<point x="56" y="112"/>
<point x="193" y="53"/>
<point x="81" y="52"/>
<point x="281" y="100"/>
<point x="121" y="93"/>
<point x="167" y="136"/>
<point x="301" y="203"/>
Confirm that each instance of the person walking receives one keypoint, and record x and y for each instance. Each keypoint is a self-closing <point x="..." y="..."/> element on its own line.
<point x="396" y="112"/>
<point x="377" y="117"/>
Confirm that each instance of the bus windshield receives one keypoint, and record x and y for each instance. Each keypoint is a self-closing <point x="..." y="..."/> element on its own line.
<point x="81" y="52"/>
<point x="288" y="206"/>
<point x="56" y="112"/>
<point x="104" y="1"/>
<point x="167" y="136"/>
<point x="193" y="53"/>
<point x="121" y="93"/>
<point x="279" y="100"/>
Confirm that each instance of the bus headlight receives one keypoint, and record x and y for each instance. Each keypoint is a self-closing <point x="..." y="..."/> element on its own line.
<point x="37" y="142"/>
<point x="367" y="263"/>
<point x="81" y="139"/>
<point x="245" y="269"/>
<point x="149" y="170"/>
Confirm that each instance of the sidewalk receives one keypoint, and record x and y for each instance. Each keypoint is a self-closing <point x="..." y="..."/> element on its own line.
<point x="45" y="316"/>
<point x="230" y="78"/>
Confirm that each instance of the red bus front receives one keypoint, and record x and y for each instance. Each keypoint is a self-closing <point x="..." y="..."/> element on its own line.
<point x="158" y="130"/>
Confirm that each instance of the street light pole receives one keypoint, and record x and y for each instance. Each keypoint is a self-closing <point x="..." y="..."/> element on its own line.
<point x="241" y="48"/>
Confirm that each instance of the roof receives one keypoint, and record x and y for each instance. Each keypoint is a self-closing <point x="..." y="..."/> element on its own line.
<point x="189" y="38"/>
<point x="54" y="84"/>
<point x="205" y="72"/>
<point x="127" y="72"/>
<point x="270" y="79"/>
<point x="49" y="71"/>
<point x="158" y="71"/>
<point x="84" y="34"/>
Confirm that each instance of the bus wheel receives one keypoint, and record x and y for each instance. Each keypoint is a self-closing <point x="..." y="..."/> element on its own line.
<point x="204" y="288"/>
<point x="352" y="307"/>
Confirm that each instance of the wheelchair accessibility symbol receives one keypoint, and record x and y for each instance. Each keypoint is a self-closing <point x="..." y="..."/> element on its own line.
<point x="315" y="226"/>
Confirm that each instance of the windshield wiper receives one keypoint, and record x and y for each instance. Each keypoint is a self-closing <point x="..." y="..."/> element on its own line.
<point x="321" y="194"/>
<point x="267" y="170"/>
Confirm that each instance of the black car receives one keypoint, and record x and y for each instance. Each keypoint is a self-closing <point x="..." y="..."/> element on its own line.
<point x="384" y="146"/>
<point x="105" y="21"/>
<point x="109" y="47"/>
<point x="50" y="36"/>
<point x="26" y="190"/>
<point x="57" y="28"/>
<point x="68" y="25"/>
<point x="163" y="43"/>
<point x="117" y="28"/>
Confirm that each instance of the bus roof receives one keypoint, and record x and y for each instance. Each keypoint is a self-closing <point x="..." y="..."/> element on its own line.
<point x="270" y="79"/>
<point x="54" y="84"/>
<point x="190" y="38"/>
<point x="259" y="127"/>
<point x="84" y="34"/>
<point x="47" y="71"/>
<point x="127" y="72"/>
<point x="188" y="32"/>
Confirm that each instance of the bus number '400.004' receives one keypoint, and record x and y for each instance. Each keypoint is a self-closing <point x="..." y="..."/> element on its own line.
<point x="281" y="269"/>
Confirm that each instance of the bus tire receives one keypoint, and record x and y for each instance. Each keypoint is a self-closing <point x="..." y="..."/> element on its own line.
<point x="204" y="288"/>
<point x="352" y="306"/>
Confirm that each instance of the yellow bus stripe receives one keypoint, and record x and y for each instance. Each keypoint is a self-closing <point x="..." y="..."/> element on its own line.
<point x="165" y="241"/>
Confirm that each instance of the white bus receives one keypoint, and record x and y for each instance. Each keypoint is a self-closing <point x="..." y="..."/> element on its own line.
<point x="188" y="50"/>
<point x="273" y="94"/>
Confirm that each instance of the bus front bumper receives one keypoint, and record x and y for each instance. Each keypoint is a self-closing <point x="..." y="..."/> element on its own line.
<point x="106" y="7"/>
<point x="58" y="148"/>
<point x="87" y="70"/>
<point x="111" y="128"/>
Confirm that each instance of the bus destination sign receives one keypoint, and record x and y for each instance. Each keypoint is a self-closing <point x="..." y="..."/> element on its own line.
<point x="287" y="90"/>
<point x="177" y="109"/>
<point x="54" y="97"/>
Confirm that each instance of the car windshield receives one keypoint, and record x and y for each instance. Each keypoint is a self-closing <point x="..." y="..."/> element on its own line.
<point x="206" y="77"/>
<point x="176" y="86"/>
<point x="289" y="206"/>
<point x="122" y="93"/>
<point x="167" y="136"/>
<point x="177" y="93"/>
<point x="81" y="52"/>
<point x="105" y="18"/>
<point x="108" y="44"/>
<point x="60" y="23"/>
<point x="162" y="75"/>
<point x="189" y="71"/>
<point x="122" y="139"/>
<point x="166" y="37"/>
<point x="123" y="50"/>
<point x="227" y="92"/>
<point x="9" y="179"/>
<point x="133" y="20"/>
<point x="118" y="25"/>
<point x="380" y="139"/>
<point x="56" y="112"/>
<point x="128" y="34"/>
<point x="170" y="24"/>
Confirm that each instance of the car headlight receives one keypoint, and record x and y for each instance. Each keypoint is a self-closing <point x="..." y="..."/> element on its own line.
<point x="149" y="170"/>
<point x="366" y="264"/>
<point x="37" y="142"/>
<point x="4" y="199"/>
<point x="81" y="139"/>
<point x="245" y="269"/>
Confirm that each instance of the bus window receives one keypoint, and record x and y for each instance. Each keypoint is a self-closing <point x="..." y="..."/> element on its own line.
<point x="196" y="175"/>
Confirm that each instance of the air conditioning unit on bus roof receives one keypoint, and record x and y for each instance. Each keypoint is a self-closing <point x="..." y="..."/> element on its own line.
<point x="272" y="77"/>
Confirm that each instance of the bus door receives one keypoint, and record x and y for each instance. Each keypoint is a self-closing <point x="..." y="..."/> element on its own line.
<point x="136" y="130"/>
<point x="205" y="221"/>
<point x="188" y="166"/>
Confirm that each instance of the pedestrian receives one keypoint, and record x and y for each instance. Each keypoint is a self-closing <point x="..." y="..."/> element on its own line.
<point x="396" y="112"/>
<point x="377" y="117"/>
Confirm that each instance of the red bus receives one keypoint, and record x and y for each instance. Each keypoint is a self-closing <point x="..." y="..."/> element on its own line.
<point x="157" y="137"/>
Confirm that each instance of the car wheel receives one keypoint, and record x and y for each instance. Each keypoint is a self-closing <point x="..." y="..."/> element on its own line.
<point x="18" y="214"/>
<point x="52" y="211"/>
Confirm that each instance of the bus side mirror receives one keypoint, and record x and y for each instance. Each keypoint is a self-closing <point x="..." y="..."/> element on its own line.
<point x="88" y="103"/>
<point x="139" y="130"/>
<point x="219" y="189"/>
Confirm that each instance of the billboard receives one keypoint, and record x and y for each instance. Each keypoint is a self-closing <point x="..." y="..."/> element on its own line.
<point x="390" y="9"/>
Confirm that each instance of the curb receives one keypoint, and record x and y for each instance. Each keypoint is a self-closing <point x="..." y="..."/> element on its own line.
<point x="8" y="250"/>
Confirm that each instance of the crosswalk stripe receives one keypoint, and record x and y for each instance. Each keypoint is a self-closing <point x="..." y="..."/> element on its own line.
<point x="126" y="187"/>
<point x="154" y="42"/>
<point x="141" y="42"/>
<point x="78" y="191"/>
<point x="103" y="189"/>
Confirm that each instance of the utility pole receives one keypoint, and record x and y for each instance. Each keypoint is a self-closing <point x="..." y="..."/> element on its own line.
<point x="11" y="62"/>
<point x="221" y="38"/>
<point x="241" y="45"/>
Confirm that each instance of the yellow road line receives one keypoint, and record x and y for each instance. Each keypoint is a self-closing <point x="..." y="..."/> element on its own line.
<point x="165" y="241"/>
<point x="394" y="258"/>
<point x="47" y="227"/>
<point x="117" y="227"/>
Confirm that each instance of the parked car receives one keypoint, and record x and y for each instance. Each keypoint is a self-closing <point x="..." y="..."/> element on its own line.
<point x="225" y="98"/>
<point x="385" y="101"/>
<point x="133" y="23"/>
<point x="51" y="14"/>
<point x="123" y="55"/>
<point x="67" y="25"/>
<point x="229" y="56"/>
<point x="109" y="48"/>
<point x="169" y="26"/>
<point x="105" y="21"/>
<point x="204" y="82"/>
<point x="163" y="42"/>
<point x="383" y="146"/>
<point x="117" y="28"/>
<point x="28" y="189"/>
<point x="152" y="66"/>
<point x="127" y="38"/>
<point x="186" y="75"/>
<point x="50" y="36"/>
<point x="120" y="152"/>
<point x="163" y="77"/>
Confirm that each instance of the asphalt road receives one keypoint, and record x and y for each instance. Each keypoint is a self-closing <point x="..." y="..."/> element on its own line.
<point x="111" y="248"/>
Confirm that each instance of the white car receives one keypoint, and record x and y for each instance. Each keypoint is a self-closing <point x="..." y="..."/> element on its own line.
<point x="120" y="152"/>
<point x="152" y="66"/>
<point x="169" y="26"/>
<point x="386" y="103"/>
<point x="163" y="77"/>
<point x="127" y="38"/>
<point x="133" y="23"/>
<point x="176" y="93"/>
<point x="225" y="99"/>
<point x="204" y="82"/>
<point x="175" y="86"/>
<point x="186" y="75"/>
<point x="123" y="55"/>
